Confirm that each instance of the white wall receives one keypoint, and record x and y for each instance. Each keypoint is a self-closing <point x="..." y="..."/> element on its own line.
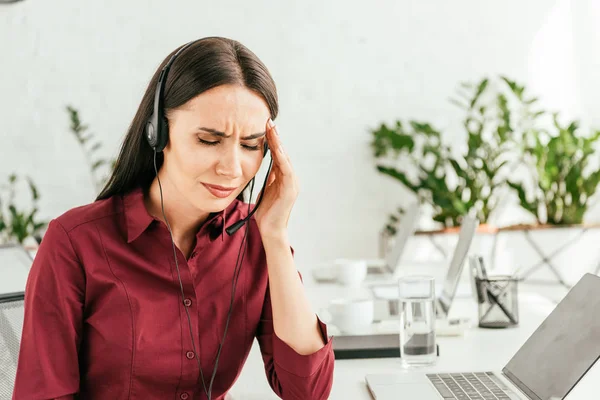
<point x="341" y="68"/>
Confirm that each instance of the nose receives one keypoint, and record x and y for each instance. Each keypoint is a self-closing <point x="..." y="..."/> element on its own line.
<point x="229" y="164"/>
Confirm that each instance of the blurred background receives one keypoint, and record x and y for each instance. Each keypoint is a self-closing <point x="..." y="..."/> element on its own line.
<point x="487" y="108"/>
<point x="463" y="105"/>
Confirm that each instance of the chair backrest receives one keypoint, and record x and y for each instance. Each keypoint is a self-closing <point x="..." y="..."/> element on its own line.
<point x="11" y="327"/>
<point x="15" y="264"/>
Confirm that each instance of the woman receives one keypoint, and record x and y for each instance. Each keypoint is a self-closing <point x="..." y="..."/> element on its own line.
<point x="142" y="294"/>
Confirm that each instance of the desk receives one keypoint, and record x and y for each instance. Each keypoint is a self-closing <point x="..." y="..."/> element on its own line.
<point x="479" y="349"/>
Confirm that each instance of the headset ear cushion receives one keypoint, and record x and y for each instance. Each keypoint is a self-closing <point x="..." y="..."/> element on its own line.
<point x="163" y="135"/>
<point x="150" y="133"/>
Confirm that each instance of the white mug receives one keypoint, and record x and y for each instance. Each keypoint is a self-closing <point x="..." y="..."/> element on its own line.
<point x="349" y="315"/>
<point x="350" y="272"/>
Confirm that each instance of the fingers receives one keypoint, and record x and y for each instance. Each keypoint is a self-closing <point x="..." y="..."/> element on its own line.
<point x="279" y="155"/>
<point x="272" y="175"/>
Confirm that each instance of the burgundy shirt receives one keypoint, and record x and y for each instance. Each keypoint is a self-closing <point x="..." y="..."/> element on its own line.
<point x="104" y="317"/>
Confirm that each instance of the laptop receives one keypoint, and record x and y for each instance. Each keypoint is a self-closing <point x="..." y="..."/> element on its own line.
<point x="549" y="365"/>
<point x="450" y="286"/>
<point x="387" y="267"/>
<point x="446" y="292"/>
<point x="386" y="306"/>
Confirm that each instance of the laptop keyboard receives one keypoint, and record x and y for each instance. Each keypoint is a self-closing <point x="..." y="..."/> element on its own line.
<point x="471" y="386"/>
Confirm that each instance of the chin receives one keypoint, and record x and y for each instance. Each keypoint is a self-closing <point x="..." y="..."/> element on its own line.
<point x="212" y="204"/>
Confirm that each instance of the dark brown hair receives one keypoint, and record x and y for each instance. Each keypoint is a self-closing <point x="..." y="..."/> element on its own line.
<point x="208" y="63"/>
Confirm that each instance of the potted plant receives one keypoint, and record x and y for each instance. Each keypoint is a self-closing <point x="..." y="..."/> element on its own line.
<point x="18" y="224"/>
<point x="562" y="179"/>
<point x="496" y="115"/>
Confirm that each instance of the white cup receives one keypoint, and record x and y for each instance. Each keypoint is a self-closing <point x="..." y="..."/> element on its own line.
<point x="350" y="272"/>
<point x="350" y="315"/>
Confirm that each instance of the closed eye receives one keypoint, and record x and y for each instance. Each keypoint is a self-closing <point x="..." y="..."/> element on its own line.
<point x="208" y="143"/>
<point x="253" y="148"/>
<point x="245" y="146"/>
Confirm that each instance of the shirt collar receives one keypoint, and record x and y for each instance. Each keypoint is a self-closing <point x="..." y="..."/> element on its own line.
<point x="138" y="219"/>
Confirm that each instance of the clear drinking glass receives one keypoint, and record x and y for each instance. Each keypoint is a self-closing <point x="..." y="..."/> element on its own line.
<point x="417" y="321"/>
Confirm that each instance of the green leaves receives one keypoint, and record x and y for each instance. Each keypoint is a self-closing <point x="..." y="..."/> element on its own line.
<point x="530" y="206"/>
<point x="394" y="173"/>
<point x="18" y="224"/>
<point x="97" y="164"/>
<point x="480" y="89"/>
<point x="565" y="182"/>
<point x="503" y="129"/>
<point x="419" y="143"/>
<point x="84" y="138"/>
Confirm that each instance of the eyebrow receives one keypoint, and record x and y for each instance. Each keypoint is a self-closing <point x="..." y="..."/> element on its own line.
<point x="215" y="132"/>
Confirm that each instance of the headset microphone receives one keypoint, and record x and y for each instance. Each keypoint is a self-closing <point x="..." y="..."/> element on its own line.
<point x="157" y="135"/>
<point x="231" y="229"/>
<point x="157" y="129"/>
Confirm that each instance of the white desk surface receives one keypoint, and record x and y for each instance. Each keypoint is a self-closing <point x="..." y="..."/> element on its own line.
<point x="478" y="350"/>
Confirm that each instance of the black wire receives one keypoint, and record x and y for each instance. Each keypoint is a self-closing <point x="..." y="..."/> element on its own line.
<point x="236" y="273"/>
<point x="180" y="283"/>
<point x="260" y="195"/>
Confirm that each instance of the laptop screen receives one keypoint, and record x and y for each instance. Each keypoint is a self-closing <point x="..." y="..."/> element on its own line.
<point x="407" y="227"/>
<point x="465" y="237"/>
<point x="563" y="347"/>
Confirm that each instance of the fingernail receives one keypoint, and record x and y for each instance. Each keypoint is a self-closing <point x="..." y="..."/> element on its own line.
<point x="271" y="123"/>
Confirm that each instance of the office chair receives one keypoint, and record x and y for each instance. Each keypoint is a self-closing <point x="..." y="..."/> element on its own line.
<point x="11" y="327"/>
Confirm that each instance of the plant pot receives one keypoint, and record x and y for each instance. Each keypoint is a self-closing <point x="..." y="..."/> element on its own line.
<point x="571" y="250"/>
<point x="481" y="229"/>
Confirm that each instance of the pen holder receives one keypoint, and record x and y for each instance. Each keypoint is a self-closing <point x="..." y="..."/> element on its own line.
<point x="497" y="298"/>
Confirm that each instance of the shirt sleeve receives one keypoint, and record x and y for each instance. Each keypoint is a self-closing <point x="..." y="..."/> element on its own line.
<point x="293" y="376"/>
<point x="48" y="366"/>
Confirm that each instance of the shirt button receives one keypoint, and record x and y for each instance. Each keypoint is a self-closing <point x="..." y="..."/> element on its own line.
<point x="184" y="396"/>
<point x="190" y="355"/>
<point x="187" y="302"/>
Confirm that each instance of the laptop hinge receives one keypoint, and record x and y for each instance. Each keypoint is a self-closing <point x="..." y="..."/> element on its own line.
<point x="520" y="385"/>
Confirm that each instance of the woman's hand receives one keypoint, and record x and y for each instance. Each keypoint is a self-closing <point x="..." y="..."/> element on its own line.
<point x="281" y="190"/>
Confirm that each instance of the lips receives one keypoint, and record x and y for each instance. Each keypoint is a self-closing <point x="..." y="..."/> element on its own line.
<point x="219" y="191"/>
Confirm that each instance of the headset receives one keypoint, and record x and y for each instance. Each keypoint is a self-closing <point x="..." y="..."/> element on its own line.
<point x="157" y="135"/>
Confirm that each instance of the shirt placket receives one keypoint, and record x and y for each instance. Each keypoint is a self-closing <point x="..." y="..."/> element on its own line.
<point x="188" y="306"/>
<point x="191" y="374"/>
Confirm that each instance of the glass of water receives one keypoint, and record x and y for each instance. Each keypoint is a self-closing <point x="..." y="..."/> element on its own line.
<point x="417" y="321"/>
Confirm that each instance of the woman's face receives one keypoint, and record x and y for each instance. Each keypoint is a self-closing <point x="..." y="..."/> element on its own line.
<point x="215" y="146"/>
